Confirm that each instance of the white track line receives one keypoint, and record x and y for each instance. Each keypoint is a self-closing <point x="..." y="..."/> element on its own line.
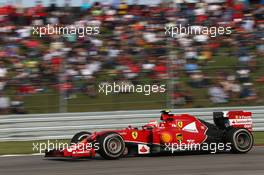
<point x="22" y="155"/>
<point x="41" y="154"/>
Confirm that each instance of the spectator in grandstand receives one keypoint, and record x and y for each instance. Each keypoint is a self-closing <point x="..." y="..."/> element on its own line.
<point x="217" y="94"/>
<point x="17" y="106"/>
<point x="248" y="92"/>
<point x="4" y="104"/>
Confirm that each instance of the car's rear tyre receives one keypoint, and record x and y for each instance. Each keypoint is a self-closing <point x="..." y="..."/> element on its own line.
<point x="77" y="138"/>
<point x="111" y="145"/>
<point x="241" y="140"/>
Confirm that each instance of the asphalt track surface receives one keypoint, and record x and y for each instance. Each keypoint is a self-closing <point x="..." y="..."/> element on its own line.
<point x="251" y="163"/>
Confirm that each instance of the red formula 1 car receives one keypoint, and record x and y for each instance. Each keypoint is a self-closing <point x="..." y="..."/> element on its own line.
<point x="231" y="132"/>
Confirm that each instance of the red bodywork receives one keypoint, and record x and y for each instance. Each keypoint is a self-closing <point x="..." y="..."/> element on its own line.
<point x="182" y="128"/>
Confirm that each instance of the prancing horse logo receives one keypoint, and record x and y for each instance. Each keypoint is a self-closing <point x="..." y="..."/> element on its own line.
<point x="180" y="124"/>
<point x="134" y="134"/>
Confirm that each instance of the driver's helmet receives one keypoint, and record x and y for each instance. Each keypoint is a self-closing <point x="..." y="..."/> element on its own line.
<point x="164" y="114"/>
<point x="165" y="111"/>
<point x="152" y="124"/>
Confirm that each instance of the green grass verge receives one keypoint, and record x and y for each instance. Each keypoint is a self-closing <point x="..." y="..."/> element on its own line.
<point x="26" y="147"/>
<point x="259" y="138"/>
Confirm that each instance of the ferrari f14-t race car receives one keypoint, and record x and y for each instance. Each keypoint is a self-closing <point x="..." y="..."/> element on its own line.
<point x="231" y="132"/>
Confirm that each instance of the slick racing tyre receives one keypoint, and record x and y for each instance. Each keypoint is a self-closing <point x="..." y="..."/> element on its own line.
<point x="241" y="140"/>
<point x="77" y="138"/>
<point x="111" y="145"/>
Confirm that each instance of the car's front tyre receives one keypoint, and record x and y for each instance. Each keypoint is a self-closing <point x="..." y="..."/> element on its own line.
<point x="111" y="145"/>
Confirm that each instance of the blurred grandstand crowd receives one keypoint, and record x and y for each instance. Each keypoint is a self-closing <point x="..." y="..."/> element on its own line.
<point x="131" y="47"/>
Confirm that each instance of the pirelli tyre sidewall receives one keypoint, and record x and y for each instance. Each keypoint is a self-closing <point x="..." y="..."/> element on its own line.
<point x="79" y="137"/>
<point x="111" y="145"/>
<point x="241" y="140"/>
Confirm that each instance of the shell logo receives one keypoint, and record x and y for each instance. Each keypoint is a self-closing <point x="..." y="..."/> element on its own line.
<point x="166" y="137"/>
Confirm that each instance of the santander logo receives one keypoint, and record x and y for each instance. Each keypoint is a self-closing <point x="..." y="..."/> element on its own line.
<point x="143" y="149"/>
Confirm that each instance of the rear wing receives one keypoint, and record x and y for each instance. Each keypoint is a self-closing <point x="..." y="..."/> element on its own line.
<point x="236" y="119"/>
